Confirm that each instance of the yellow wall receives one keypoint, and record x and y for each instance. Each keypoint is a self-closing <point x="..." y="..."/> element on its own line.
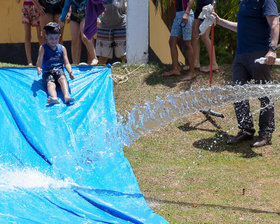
<point x="159" y="36"/>
<point x="12" y="30"/>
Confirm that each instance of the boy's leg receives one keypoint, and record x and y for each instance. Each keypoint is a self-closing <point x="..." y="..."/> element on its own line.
<point x="52" y="99"/>
<point x="27" y="43"/>
<point x="89" y="45"/>
<point x="207" y="42"/>
<point x="187" y="37"/>
<point x="190" y="56"/>
<point x="196" y="42"/>
<point x="64" y="88"/>
<point x="174" y="56"/>
<point x="76" y="40"/>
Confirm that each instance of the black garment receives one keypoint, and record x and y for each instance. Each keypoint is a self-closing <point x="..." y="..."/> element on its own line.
<point x="53" y="76"/>
<point x="52" y="6"/>
<point x="244" y="70"/>
<point x="180" y="5"/>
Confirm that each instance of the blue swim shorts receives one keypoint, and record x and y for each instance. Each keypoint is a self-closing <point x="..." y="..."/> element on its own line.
<point x="182" y="29"/>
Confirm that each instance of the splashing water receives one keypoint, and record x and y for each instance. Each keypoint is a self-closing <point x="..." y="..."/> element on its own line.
<point x="30" y="179"/>
<point x="142" y="120"/>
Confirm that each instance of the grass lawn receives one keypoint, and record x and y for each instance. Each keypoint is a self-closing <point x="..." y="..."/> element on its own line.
<point x="186" y="171"/>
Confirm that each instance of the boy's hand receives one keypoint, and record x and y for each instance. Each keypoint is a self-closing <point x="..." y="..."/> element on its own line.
<point x="17" y="1"/>
<point x="39" y="70"/>
<point x="71" y="76"/>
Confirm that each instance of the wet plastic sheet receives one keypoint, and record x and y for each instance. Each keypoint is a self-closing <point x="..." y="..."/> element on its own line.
<point x="55" y="163"/>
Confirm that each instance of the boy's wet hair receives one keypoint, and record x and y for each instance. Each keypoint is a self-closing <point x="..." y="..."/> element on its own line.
<point x="52" y="28"/>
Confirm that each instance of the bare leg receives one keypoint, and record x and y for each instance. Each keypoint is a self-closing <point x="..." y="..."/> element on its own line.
<point x="207" y="42"/>
<point x="56" y="19"/>
<point x="75" y="45"/>
<point x="89" y="45"/>
<point x="39" y="35"/>
<point x="44" y="19"/>
<point x="123" y="58"/>
<point x="52" y="99"/>
<point x="64" y="88"/>
<point x="102" y="60"/>
<point x="190" y="55"/>
<point x="27" y="43"/>
<point x="196" y="42"/>
<point x="174" y="55"/>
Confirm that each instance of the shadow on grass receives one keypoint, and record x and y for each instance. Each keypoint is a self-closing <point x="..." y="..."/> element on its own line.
<point x="211" y="206"/>
<point x="156" y="78"/>
<point x="217" y="143"/>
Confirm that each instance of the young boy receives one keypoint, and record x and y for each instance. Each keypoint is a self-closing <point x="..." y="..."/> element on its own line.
<point x="52" y="56"/>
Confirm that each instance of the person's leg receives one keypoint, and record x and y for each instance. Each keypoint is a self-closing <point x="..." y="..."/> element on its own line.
<point x="65" y="90"/>
<point x="56" y="19"/>
<point x="196" y="42"/>
<point x="120" y="43"/>
<point x="27" y="43"/>
<point x="261" y="75"/>
<point x="76" y="41"/>
<point x="207" y="42"/>
<point x="44" y="19"/>
<point x="52" y="99"/>
<point x="89" y="45"/>
<point x="190" y="56"/>
<point x="103" y="45"/>
<point x="39" y="35"/>
<point x="241" y="76"/>
<point x="187" y="37"/>
<point x="174" y="56"/>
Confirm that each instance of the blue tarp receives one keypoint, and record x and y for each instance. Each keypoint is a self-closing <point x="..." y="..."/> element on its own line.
<point x="82" y="179"/>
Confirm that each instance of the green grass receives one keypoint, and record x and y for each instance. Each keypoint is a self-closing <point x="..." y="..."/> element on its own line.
<point x="188" y="174"/>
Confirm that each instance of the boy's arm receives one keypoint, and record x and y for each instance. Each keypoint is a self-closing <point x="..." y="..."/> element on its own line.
<point x="40" y="59"/>
<point x="67" y="63"/>
<point x="185" y="18"/>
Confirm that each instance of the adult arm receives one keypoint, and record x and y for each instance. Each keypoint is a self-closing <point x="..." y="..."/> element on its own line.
<point x="40" y="59"/>
<point x="225" y="23"/>
<point x="65" y="10"/>
<point x="273" y="22"/>
<point x="67" y="63"/>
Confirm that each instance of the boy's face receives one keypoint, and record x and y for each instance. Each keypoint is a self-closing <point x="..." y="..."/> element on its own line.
<point x="52" y="39"/>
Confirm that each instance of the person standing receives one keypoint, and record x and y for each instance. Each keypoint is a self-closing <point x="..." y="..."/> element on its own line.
<point x="257" y="30"/>
<point x="30" y="17"/>
<point x="50" y="11"/>
<point x="182" y="26"/>
<point x="204" y="37"/>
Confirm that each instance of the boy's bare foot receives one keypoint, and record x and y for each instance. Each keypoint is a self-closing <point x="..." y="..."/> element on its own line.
<point x="206" y="69"/>
<point x="30" y="64"/>
<point x="52" y="100"/>
<point x="69" y="99"/>
<point x="171" y="72"/>
<point x="188" y="76"/>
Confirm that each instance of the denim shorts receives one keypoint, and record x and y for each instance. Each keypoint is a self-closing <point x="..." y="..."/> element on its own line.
<point x="182" y="29"/>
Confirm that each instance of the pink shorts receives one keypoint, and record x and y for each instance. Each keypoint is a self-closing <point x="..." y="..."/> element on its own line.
<point x="30" y="15"/>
